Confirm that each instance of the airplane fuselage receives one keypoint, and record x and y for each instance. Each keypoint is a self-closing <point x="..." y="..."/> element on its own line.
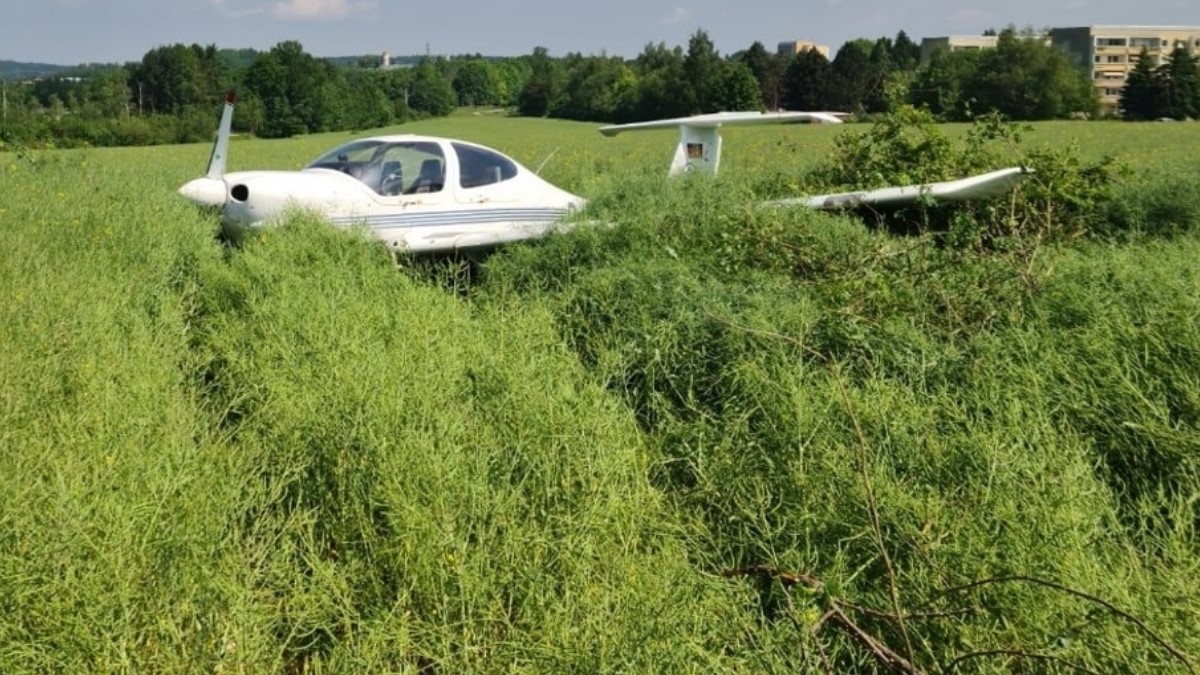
<point x="415" y="193"/>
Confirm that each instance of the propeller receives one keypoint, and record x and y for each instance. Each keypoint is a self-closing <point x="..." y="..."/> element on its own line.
<point x="210" y="190"/>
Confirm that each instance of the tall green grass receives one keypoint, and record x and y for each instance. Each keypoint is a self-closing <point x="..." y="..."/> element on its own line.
<point x="293" y="457"/>
<point x="1009" y="421"/>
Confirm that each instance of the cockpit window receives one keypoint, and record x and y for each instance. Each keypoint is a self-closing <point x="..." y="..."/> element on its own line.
<point x="405" y="167"/>
<point x="478" y="166"/>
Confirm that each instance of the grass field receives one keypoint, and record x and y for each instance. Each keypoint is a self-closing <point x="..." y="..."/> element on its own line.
<point x="709" y="439"/>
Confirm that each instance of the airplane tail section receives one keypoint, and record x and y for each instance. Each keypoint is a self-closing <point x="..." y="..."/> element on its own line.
<point x="699" y="148"/>
<point x="220" y="151"/>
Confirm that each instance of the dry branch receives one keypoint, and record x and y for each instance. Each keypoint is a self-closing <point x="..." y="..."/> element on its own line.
<point x="836" y="616"/>
<point x="1175" y="652"/>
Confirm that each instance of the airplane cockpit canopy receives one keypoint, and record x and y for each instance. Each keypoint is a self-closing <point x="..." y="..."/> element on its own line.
<point x="415" y="167"/>
<point x="389" y="168"/>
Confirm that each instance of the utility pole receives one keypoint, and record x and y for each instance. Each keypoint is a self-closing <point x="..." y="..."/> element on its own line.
<point x="3" y="100"/>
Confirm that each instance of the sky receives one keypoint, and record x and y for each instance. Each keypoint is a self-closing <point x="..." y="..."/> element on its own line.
<point x="78" y="31"/>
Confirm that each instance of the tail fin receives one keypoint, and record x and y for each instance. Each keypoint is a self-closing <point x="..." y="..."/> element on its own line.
<point x="220" y="151"/>
<point x="699" y="149"/>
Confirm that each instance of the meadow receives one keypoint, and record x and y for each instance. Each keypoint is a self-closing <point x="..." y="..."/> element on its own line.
<point x="712" y="438"/>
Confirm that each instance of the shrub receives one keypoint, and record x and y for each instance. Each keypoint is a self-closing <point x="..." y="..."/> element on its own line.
<point x="1062" y="199"/>
<point x="1162" y="204"/>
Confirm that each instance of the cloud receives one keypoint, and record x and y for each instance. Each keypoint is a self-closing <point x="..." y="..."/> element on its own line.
<point x="680" y="15"/>
<point x="319" y="10"/>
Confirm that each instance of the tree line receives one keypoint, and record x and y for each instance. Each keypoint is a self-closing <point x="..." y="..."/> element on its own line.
<point x="170" y="95"/>
<point x="1021" y="79"/>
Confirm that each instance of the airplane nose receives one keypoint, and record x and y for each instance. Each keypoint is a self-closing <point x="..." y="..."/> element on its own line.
<point x="205" y="191"/>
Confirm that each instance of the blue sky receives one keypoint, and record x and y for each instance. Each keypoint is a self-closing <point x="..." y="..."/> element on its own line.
<point x="73" y="31"/>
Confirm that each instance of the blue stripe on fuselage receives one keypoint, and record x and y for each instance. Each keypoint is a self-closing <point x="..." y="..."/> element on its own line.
<point x="461" y="217"/>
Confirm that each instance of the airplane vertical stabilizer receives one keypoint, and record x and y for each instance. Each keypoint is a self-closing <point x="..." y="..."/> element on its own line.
<point x="699" y="149"/>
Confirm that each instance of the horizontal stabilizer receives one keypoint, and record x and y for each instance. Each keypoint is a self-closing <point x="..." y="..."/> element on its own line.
<point x="699" y="147"/>
<point x="716" y="120"/>
<point x="983" y="186"/>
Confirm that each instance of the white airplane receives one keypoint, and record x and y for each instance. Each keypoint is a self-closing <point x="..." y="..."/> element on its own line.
<point x="426" y="194"/>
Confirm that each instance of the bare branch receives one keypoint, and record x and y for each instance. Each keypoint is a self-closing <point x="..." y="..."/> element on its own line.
<point x="835" y="616"/>
<point x="1019" y="654"/>
<point x="884" y="655"/>
<point x="785" y="578"/>
<point x="1079" y="594"/>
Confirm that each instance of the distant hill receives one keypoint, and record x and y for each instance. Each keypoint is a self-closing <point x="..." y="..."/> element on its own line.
<point x="19" y="70"/>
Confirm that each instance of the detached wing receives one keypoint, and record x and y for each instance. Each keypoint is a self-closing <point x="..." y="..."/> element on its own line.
<point x="983" y="186"/>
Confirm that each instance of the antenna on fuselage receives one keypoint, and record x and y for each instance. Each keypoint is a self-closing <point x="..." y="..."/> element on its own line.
<point x="538" y="170"/>
<point x="699" y="147"/>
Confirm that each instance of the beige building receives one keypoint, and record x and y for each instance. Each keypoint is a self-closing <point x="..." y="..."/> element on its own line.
<point x="954" y="43"/>
<point x="1108" y="53"/>
<point x="797" y="46"/>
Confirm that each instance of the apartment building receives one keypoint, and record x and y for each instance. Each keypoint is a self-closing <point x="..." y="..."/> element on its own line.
<point x="797" y="46"/>
<point x="954" y="43"/>
<point x="1108" y="53"/>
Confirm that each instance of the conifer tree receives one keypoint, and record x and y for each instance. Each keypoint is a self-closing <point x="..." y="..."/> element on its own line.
<point x="1142" y="91"/>
<point x="1181" y="85"/>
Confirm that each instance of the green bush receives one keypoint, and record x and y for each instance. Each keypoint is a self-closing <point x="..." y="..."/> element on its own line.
<point x="1161" y="204"/>
<point x="1063" y="198"/>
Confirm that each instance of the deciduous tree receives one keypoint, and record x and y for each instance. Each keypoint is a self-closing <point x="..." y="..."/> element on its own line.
<point x="807" y="81"/>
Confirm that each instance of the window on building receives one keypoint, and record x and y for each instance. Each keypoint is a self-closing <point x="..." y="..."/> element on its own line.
<point x="1115" y="58"/>
<point x="1146" y="42"/>
<point x="1112" y="42"/>
<point x="1110" y="91"/>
